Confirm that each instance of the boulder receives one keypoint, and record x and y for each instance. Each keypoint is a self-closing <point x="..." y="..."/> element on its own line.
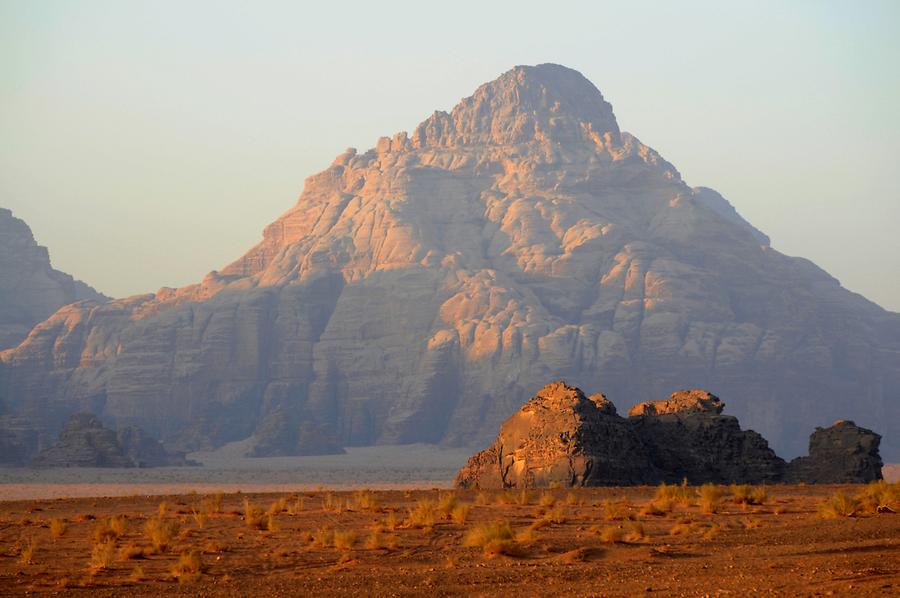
<point x="842" y="453"/>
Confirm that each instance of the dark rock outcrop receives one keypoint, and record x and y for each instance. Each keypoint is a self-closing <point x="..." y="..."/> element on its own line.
<point x="85" y="442"/>
<point x="562" y="436"/>
<point x="842" y="453"/>
<point x="688" y="437"/>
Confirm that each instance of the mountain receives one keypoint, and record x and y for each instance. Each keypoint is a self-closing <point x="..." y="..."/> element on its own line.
<point x="421" y="291"/>
<point x="30" y="289"/>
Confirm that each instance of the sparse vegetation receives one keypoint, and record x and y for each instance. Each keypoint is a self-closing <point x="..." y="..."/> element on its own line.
<point x="496" y="537"/>
<point x="615" y="510"/>
<point x="710" y="498"/>
<point x="345" y="539"/>
<point x="365" y="500"/>
<point x="109" y="529"/>
<point x="612" y="534"/>
<point x="745" y="494"/>
<point x="161" y="531"/>
<point x="58" y="527"/>
<point x="323" y="537"/>
<point x="27" y="550"/>
<point x="254" y="516"/>
<point x="446" y="503"/>
<point x="423" y="515"/>
<point x="460" y="513"/>
<point x="103" y="554"/>
<point x="188" y="568"/>
<point x="839" y="504"/>
<point x="547" y="500"/>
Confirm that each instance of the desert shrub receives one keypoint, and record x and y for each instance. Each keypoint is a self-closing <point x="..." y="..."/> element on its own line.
<point x="131" y="552"/>
<point x="612" y="534"/>
<point x="573" y="499"/>
<point x="482" y="498"/>
<point x="102" y="555"/>
<point x="839" y="504"/>
<point x="374" y="541"/>
<point x="162" y="508"/>
<point x="58" y="527"/>
<point x="879" y="495"/>
<point x="710" y="497"/>
<point x="615" y="510"/>
<point x="423" y="515"/>
<point x="390" y="521"/>
<point x="109" y="529"/>
<point x="200" y="518"/>
<point x="556" y="515"/>
<point x="28" y="547"/>
<point x="330" y="502"/>
<point x="635" y="531"/>
<point x="211" y="504"/>
<point x="296" y="507"/>
<point x="547" y="499"/>
<point x="188" y="568"/>
<point x="712" y="532"/>
<point x="460" y="513"/>
<point x="323" y="537"/>
<point x="272" y="523"/>
<point x="161" y="531"/>
<point x="657" y="508"/>
<point x="254" y="516"/>
<point x="495" y="538"/>
<point x="745" y="494"/>
<point x="365" y="500"/>
<point x="446" y="503"/>
<point x="277" y="506"/>
<point x="345" y="540"/>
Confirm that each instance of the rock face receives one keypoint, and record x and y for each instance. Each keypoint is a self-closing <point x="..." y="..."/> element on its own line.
<point x="30" y="289"/>
<point x="84" y="442"/>
<point x="418" y="289"/>
<point x="561" y="436"/>
<point x="843" y="453"/>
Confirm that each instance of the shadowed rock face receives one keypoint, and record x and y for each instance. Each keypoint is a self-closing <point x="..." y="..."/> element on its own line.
<point x="84" y="442"/>
<point x="418" y="289"/>
<point x="842" y="453"/>
<point x="562" y="437"/>
<point x="30" y="289"/>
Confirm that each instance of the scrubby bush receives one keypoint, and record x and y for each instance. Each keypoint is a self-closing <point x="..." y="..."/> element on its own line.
<point x="188" y="568"/>
<point x="710" y="498"/>
<point x="423" y="515"/>
<point x="495" y="538"/>
<point x="161" y="531"/>
<point x="839" y="504"/>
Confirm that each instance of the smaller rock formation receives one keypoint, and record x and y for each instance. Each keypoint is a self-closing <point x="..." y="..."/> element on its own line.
<point x="562" y="436"/>
<point x="842" y="453"/>
<point x="85" y="442"/>
<point x="688" y="437"/>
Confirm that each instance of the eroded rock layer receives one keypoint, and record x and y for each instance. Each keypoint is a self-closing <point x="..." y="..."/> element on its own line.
<point x="842" y="453"/>
<point x="418" y="289"/>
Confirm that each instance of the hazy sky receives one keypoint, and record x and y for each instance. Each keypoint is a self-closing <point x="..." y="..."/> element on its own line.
<point x="147" y="143"/>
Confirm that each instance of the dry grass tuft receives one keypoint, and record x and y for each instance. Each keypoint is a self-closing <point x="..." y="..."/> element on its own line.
<point x="254" y="516"/>
<point x="345" y="540"/>
<point x="495" y="538"/>
<point x="296" y="507"/>
<point x="323" y="537"/>
<point x="109" y="529"/>
<point x="58" y="527"/>
<point x="616" y="510"/>
<point x="657" y="507"/>
<point x="200" y="518"/>
<point x="460" y="513"/>
<point x="556" y="515"/>
<point x="547" y="500"/>
<point x="482" y="499"/>
<point x="27" y="550"/>
<point x="446" y="503"/>
<point x="635" y="531"/>
<point x="374" y="541"/>
<point x="277" y="506"/>
<point x="365" y="500"/>
<point x="612" y="534"/>
<point x="745" y="494"/>
<point x="161" y="531"/>
<point x="879" y="497"/>
<point x="710" y="497"/>
<point x="102" y="555"/>
<point x="839" y="504"/>
<point x="423" y="515"/>
<point x="188" y="568"/>
<point x="137" y="574"/>
<point x="131" y="552"/>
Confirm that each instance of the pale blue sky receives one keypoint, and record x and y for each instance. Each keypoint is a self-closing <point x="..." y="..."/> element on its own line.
<point x="147" y="143"/>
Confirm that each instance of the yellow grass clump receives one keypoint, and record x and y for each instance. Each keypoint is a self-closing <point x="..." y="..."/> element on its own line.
<point x="58" y="527"/>
<point x="161" y="531"/>
<point x="495" y="537"/>
<point x="839" y="504"/>
<point x="102" y="555"/>
<point x="446" y="503"/>
<point x="612" y="534"/>
<point x="423" y="515"/>
<point x="254" y="516"/>
<point x="460" y="513"/>
<point x="745" y="494"/>
<point x="365" y="500"/>
<point x="345" y="540"/>
<point x="27" y="550"/>
<point x="188" y="568"/>
<point x="710" y="498"/>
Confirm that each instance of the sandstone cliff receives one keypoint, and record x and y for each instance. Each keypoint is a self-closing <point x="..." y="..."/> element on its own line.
<point x="30" y="289"/>
<point x="418" y="289"/>
<point x="841" y="453"/>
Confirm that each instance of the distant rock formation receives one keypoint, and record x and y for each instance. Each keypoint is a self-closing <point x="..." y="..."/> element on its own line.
<point x="30" y="289"/>
<point x="562" y="436"/>
<point x="85" y="442"/>
<point x="842" y="453"/>
<point x="18" y="441"/>
<point x="418" y="290"/>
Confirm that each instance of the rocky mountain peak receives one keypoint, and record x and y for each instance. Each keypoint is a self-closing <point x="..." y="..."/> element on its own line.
<point x="547" y="102"/>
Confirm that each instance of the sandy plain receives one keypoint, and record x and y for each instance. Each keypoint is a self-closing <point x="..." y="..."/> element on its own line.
<point x="436" y="542"/>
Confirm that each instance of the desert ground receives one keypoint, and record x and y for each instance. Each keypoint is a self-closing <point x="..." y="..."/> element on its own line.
<point x="669" y="540"/>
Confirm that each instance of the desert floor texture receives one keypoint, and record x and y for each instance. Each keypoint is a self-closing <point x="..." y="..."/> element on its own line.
<point x="672" y="540"/>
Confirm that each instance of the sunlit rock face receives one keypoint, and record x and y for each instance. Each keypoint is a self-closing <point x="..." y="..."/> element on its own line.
<point x="420" y="291"/>
<point x="30" y="289"/>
